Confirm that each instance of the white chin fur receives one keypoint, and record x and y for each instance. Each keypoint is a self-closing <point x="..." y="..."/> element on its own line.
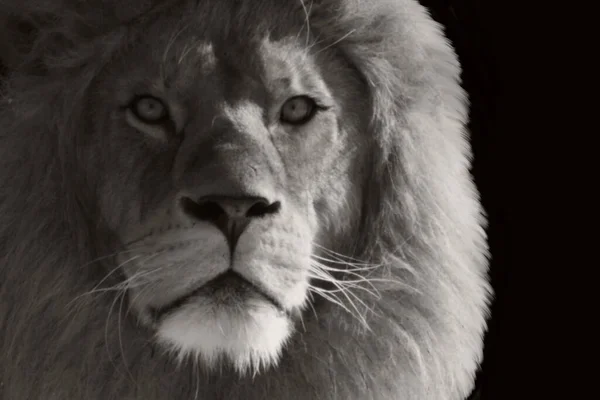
<point x="251" y="338"/>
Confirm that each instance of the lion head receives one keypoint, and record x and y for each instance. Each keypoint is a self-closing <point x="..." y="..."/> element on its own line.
<point x="236" y="199"/>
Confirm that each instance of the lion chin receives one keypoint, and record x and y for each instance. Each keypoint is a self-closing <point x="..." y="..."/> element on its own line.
<point x="251" y="339"/>
<point x="236" y="199"/>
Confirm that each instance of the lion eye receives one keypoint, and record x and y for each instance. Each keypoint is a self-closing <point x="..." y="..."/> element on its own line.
<point x="149" y="110"/>
<point x="298" y="110"/>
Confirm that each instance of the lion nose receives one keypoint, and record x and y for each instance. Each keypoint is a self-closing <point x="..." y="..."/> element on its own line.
<point x="230" y="214"/>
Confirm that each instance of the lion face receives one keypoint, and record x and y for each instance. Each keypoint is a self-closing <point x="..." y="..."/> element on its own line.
<point x="227" y="162"/>
<point x="237" y="158"/>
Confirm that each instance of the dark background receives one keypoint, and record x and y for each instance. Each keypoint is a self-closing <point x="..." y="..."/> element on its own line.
<point x="474" y="28"/>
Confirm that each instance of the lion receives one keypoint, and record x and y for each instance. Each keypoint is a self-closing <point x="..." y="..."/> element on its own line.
<point x="236" y="199"/>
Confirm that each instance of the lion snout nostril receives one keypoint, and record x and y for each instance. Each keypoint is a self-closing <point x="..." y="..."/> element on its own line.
<point x="211" y="208"/>
<point x="230" y="214"/>
<point x="206" y="211"/>
<point x="261" y="209"/>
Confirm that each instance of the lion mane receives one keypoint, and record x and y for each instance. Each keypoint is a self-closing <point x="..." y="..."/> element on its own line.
<point x="420" y="221"/>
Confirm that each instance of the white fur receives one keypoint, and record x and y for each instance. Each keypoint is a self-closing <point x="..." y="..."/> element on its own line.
<point x="250" y="338"/>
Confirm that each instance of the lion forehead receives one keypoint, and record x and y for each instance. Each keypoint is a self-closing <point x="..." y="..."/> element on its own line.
<point x="256" y="69"/>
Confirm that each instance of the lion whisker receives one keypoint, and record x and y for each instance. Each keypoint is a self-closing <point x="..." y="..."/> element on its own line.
<point x="95" y="288"/>
<point x="355" y="276"/>
<point x="339" y="255"/>
<point x="352" y="286"/>
<point x="335" y="291"/>
<point x="307" y="21"/>
<point x="333" y="252"/>
<point x="104" y="257"/>
<point x="142" y="291"/>
<point x="333" y="299"/>
<point x="121" y="265"/>
<point x="350" y="274"/>
<point x="168" y="47"/>
<point x="350" y="262"/>
<point x="355" y="312"/>
<point x="345" y="285"/>
<point x="310" y="303"/>
<point x="145" y="285"/>
<point x="354" y="272"/>
<point x="115" y="288"/>
<point x="120" y="334"/>
<point x="352" y="269"/>
<point x="121" y="286"/>
<point x="348" y="294"/>
<point x="357" y="266"/>
<point x="302" y="322"/>
<point x="106" y="325"/>
<point x="144" y="273"/>
<point x="126" y="284"/>
<point x="375" y="283"/>
<point x="396" y="284"/>
<point x="196" y="365"/>
<point x="355" y="283"/>
<point x="336" y="41"/>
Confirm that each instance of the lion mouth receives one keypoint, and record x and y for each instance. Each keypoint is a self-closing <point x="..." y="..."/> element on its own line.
<point x="228" y="289"/>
